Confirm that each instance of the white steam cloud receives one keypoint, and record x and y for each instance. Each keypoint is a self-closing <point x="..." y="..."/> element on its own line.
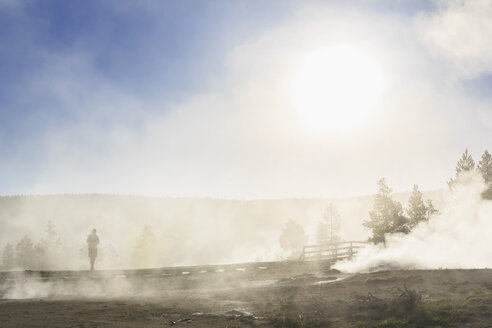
<point x="460" y="32"/>
<point x="457" y="238"/>
<point x="29" y="286"/>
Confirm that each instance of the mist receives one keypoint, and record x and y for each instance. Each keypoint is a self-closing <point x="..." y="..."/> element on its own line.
<point x="143" y="232"/>
<point x="459" y="237"/>
<point x="215" y="163"/>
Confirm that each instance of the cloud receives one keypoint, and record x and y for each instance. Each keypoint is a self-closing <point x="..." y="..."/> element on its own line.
<point x="238" y="137"/>
<point x="459" y="32"/>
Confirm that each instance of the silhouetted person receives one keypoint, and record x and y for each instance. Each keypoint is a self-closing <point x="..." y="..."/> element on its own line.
<point x="92" y="242"/>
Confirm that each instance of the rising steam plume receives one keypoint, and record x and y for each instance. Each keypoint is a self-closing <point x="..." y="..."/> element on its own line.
<point x="459" y="237"/>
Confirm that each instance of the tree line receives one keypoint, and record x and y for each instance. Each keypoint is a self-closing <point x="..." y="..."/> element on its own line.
<point x="388" y="216"/>
<point x="466" y="164"/>
<point x="45" y="254"/>
<point x="48" y="253"/>
<point x="293" y="236"/>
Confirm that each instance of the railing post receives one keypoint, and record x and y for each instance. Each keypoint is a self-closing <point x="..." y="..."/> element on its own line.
<point x="329" y="250"/>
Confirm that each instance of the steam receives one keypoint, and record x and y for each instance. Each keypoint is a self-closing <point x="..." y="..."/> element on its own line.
<point x="145" y="232"/>
<point x="457" y="238"/>
<point x="135" y="283"/>
<point x="27" y="286"/>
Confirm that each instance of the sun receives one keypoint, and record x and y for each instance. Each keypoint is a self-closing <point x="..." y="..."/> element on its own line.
<point x="336" y="88"/>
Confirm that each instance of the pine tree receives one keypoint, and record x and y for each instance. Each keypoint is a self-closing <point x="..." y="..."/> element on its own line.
<point x="8" y="257"/>
<point x="146" y="251"/>
<point x="485" y="169"/>
<point x="332" y="221"/>
<point x="386" y="216"/>
<point x="293" y="238"/>
<point x="431" y="210"/>
<point x="417" y="210"/>
<point x="48" y="250"/>
<point x="465" y="164"/>
<point x="25" y="253"/>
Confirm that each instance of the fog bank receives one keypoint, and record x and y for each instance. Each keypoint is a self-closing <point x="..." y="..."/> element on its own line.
<point x="180" y="231"/>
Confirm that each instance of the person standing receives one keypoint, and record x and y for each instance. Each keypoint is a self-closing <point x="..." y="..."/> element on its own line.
<point x="92" y="242"/>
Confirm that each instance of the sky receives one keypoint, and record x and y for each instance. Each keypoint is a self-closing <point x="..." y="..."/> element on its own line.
<point x="241" y="99"/>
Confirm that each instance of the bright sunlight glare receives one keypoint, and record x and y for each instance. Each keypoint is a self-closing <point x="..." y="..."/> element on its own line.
<point x="335" y="89"/>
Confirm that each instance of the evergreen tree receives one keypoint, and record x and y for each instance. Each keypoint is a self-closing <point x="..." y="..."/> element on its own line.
<point x="48" y="250"/>
<point x="485" y="169"/>
<point x="25" y="253"/>
<point x="431" y="210"/>
<point x="293" y="238"/>
<point x="332" y="220"/>
<point x="465" y="164"/>
<point x="8" y="257"/>
<point x="146" y="251"/>
<point x="417" y="210"/>
<point x="386" y="216"/>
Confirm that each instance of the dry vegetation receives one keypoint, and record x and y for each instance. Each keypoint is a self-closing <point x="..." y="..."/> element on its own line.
<point x="271" y="298"/>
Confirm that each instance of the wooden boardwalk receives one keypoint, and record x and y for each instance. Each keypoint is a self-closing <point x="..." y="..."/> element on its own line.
<point x="332" y="251"/>
<point x="314" y="258"/>
<point x="250" y="270"/>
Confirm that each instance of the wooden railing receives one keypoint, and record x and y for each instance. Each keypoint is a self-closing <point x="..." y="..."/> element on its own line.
<point x="332" y="251"/>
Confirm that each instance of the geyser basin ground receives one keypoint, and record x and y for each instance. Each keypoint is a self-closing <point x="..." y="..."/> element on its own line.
<point x="291" y="297"/>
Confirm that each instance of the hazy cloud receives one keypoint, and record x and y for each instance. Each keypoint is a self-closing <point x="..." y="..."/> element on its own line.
<point x="237" y="136"/>
<point x="240" y="138"/>
<point x="460" y="32"/>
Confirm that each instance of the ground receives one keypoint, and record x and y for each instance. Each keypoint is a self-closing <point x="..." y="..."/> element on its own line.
<point x="287" y="295"/>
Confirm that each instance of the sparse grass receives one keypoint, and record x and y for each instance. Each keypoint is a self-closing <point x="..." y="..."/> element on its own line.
<point x="291" y="318"/>
<point x="299" y="322"/>
<point x="488" y="285"/>
<point x="386" y="323"/>
<point x="378" y="300"/>
<point x="453" y="289"/>
<point x="444" y="313"/>
<point x="409" y="310"/>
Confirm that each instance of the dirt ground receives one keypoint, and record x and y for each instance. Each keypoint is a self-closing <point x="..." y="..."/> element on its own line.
<point x="231" y="298"/>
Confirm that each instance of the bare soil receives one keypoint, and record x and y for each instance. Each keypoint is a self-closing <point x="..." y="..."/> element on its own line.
<point x="306" y="296"/>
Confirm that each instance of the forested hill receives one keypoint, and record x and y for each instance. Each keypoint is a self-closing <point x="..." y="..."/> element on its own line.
<point x="190" y="229"/>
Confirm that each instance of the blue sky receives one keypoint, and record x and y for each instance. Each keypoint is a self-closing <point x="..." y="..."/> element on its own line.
<point x="149" y="49"/>
<point x="168" y="97"/>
